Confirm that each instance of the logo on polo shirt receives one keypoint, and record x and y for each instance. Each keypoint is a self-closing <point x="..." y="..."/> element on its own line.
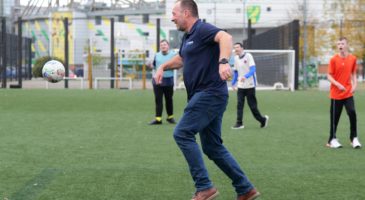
<point x="190" y="43"/>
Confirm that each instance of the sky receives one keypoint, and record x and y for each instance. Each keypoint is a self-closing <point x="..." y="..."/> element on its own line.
<point x="62" y="2"/>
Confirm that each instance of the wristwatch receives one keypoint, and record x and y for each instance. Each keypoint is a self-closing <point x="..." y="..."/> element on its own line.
<point x="223" y="61"/>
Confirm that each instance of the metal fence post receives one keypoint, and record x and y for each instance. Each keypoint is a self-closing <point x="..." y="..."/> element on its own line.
<point x="112" y="64"/>
<point x="65" y="21"/>
<point x="20" y="52"/>
<point x="3" y="52"/>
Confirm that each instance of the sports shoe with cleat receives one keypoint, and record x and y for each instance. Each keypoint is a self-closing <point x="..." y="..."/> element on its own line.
<point x="208" y="194"/>
<point x="250" y="195"/>
<point x="355" y="143"/>
<point x="238" y="126"/>
<point x="155" y="122"/>
<point x="334" y="144"/>
<point x="171" y="121"/>
<point x="266" y="123"/>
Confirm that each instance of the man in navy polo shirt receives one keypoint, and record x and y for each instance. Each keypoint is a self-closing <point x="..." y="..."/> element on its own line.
<point x="204" y="54"/>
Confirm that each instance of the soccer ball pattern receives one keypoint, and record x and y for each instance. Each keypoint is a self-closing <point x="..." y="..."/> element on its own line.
<point x="53" y="71"/>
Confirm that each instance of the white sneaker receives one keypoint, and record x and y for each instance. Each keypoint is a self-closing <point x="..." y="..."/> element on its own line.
<point x="238" y="126"/>
<point x="355" y="143"/>
<point x="264" y="125"/>
<point x="334" y="144"/>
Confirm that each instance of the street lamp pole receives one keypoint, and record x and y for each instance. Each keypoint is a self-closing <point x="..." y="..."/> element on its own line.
<point x="305" y="43"/>
<point x="244" y="20"/>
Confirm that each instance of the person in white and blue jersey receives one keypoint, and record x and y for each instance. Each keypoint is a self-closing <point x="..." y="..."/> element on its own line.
<point x="166" y="88"/>
<point x="244" y="81"/>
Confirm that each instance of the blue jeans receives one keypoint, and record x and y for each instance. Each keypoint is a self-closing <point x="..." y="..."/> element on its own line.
<point x="204" y="114"/>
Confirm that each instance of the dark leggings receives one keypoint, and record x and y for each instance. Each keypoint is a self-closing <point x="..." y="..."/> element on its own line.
<point x="161" y="91"/>
<point x="250" y="94"/>
<point x="336" y="110"/>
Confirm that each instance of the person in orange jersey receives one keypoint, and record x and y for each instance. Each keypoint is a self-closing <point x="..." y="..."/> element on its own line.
<point x="342" y="75"/>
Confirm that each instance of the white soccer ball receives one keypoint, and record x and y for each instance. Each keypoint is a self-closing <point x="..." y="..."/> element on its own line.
<point x="53" y="71"/>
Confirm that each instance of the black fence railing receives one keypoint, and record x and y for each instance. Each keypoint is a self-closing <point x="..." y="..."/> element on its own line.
<point x="283" y="37"/>
<point x="15" y="57"/>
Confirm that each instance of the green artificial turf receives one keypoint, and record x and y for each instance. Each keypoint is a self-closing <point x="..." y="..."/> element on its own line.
<point x="96" y="145"/>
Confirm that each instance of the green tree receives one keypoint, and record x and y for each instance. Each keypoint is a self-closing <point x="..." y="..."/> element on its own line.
<point x="312" y="23"/>
<point x="39" y="63"/>
<point x="349" y="22"/>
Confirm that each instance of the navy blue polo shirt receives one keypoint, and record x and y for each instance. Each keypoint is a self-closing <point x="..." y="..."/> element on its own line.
<point x="200" y="55"/>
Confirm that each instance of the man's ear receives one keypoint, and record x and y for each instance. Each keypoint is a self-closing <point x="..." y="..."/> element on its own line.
<point x="186" y="13"/>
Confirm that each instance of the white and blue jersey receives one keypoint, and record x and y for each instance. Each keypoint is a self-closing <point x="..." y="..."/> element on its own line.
<point x="168" y="76"/>
<point x="245" y="67"/>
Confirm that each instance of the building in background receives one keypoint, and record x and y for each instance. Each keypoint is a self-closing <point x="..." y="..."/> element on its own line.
<point x="135" y="27"/>
<point x="6" y="7"/>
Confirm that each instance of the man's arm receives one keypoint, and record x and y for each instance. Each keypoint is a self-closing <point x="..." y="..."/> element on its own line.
<point x="152" y="65"/>
<point x="250" y="73"/>
<point x="334" y="82"/>
<point x="225" y="46"/>
<point x="252" y="68"/>
<point x="354" y="82"/>
<point x="174" y="63"/>
<point x="330" y="77"/>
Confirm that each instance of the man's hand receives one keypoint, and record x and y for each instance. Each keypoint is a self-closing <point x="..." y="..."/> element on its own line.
<point x="353" y="88"/>
<point x="341" y="87"/>
<point x="159" y="75"/>
<point x="149" y="65"/>
<point x="225" y="71"/>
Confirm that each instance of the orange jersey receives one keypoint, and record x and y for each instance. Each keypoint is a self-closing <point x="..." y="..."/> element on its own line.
<point x="341" y="69"/>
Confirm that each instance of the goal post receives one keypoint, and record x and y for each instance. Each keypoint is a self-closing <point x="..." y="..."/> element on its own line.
<point x="104" y="82"/>
<point x="275" y="70"/>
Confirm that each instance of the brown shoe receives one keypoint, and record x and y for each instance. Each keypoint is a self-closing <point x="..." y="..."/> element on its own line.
<point x="250" y="195"/>
<point x="208" y="194"/>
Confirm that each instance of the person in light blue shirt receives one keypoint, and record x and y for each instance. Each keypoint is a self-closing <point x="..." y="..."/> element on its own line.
<point x="166" y="88"/>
